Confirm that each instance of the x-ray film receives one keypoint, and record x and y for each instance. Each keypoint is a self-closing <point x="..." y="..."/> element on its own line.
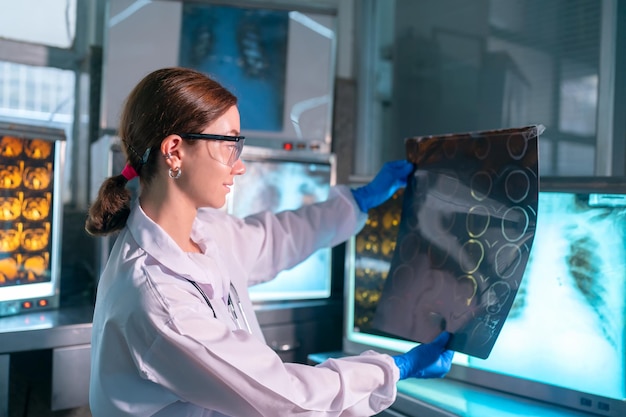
<point x="466" y="230"/>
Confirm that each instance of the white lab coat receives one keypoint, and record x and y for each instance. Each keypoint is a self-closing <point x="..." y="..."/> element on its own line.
<point x="158" y="350"/>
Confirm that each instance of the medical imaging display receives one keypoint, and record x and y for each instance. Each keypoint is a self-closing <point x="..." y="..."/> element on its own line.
<point x="26" y="193"/>
<point x="277" y="185"/>
<point x="566" y="327"/>
<point x="466" y="231"/>
<point x="246" y="51"/>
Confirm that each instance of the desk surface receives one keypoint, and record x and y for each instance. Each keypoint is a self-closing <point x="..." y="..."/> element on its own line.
<point x="450" y="398"/>
<point x="70" y="326"/>
<point x="46" y="329"/>
<point x="456" y="398"/>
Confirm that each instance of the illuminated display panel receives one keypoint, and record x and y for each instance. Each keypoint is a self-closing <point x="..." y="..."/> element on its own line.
<point x="572" y="300"/>
<point x="29" y="243"/>
<point x="279" y="61"/>
<point x="564" y="337"/>
<point x="280" y="180"/>
<point x="252" y="58"/>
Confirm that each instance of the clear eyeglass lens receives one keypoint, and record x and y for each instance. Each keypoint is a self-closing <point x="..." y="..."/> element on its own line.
<point x="236" y="152"/>
<point x="225" y="152"/>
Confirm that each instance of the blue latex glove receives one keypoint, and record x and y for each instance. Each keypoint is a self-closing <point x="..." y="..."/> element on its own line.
<point x="428" y="360"/>
<point x="392" y="176"/>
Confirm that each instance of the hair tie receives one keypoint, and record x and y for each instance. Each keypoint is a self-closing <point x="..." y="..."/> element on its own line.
<point x="129" y="172"/>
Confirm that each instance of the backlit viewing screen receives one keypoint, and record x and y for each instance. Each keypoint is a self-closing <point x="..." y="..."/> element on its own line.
<point x="566" y="327"/>
<point x="277" y="185"/>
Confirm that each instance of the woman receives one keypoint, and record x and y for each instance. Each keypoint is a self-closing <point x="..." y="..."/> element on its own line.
<point x="174" y="331"/>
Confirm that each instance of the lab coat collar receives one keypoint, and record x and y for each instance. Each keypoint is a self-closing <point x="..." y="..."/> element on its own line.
<point x="158" y="244"/>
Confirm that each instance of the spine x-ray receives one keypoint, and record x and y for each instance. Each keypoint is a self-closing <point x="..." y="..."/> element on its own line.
<point x="466" y="230"/>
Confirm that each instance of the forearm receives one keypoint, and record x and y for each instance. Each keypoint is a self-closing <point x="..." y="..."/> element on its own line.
<point x="291" y="236"/>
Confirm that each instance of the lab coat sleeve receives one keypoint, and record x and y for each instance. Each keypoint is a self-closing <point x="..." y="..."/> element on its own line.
<point x="204" y="363"/>
<point x="274" y="242"/>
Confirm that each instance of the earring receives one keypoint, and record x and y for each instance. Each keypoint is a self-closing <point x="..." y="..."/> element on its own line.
<point x="167" y="155"/>
<point x="174" y="173"/>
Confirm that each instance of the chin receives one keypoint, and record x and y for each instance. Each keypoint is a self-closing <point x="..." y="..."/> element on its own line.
<point x="214" y="203"/>
<point x="218" y="203"/>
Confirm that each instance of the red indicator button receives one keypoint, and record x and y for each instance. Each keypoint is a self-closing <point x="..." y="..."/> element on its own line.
<point x="27" y="304"/>
<point x="42" y="302"/>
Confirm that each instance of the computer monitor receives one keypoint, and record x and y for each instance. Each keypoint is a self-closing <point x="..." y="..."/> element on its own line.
<point x="278" y="60"/>
<point x="31" y="166"/>
<point x="564" y="340"/>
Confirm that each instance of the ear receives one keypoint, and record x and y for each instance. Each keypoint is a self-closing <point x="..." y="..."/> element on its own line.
<point x="172" y="150"/>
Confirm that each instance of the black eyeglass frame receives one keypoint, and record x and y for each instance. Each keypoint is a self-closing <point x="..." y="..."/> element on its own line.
<point x="210" y="136"/>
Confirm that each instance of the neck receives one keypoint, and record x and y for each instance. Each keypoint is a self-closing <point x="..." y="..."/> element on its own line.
<point x="173" y="216"/>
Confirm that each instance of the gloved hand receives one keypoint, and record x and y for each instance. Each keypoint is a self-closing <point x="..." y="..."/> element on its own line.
<point x="392" y="176"/>
<point x="428" y="360"/>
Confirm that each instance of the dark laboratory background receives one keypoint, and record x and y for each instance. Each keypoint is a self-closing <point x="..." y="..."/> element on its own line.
<point x="329" y="90"/>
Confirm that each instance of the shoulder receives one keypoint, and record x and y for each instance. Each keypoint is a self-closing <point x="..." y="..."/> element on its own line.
<point x="141" y="288"/>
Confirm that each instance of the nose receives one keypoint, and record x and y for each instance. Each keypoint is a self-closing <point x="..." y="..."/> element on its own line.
<point x="239" y="168"/>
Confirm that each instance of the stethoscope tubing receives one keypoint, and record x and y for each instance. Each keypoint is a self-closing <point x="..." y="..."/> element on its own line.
<point x="231" y="305"/>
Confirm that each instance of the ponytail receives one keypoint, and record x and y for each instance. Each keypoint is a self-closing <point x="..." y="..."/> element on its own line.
<point x="108" y="214"/>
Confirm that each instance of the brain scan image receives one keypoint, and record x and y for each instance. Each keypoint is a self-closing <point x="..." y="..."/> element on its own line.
<point x="26" y="205"/>
<point x="466" y="232"/>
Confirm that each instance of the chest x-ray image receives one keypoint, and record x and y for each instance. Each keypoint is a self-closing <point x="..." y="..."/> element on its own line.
<point x="277" y="185"/>
<point x="467" y="227"/>
<point x="566" y="327"/>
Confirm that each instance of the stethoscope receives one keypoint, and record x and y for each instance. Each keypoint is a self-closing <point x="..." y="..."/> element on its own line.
<point x="231" y="307"/>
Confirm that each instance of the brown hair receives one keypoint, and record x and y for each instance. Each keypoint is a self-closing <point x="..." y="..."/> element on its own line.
<point x="167" y="101"/>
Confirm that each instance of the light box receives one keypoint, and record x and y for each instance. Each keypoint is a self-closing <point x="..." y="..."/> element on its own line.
<point x="564" y="339"/>
<point x="278" y="180"/>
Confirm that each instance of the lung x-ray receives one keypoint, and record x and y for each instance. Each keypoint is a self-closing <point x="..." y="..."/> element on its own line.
<point x="467" y="226"/>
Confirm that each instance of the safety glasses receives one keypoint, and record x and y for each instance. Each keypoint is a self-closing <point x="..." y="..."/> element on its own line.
<point x="226" y="154"/>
